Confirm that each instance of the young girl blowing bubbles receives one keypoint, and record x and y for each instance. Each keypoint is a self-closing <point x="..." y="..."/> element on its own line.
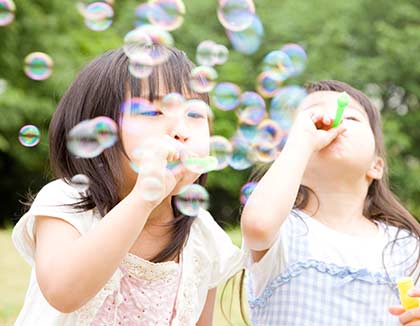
<point x="327" y="236"/>
<point x="114" y="255"/>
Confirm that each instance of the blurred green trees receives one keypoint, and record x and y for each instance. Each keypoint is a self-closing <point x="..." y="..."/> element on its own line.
<point x="371" y="44"/>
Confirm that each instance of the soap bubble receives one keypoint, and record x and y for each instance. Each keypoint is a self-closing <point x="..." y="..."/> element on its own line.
<point x="80" y="182"/>
<point x="221" y="149"/>
<point x="236" y="15"/>
<point x="38" y="66"/>
<point x="191" y="198"/>
<point x="203" y="79"/>
<point x="249" y="40"/>
<point x="29" y="136"/>
<point x="98" y="16"/>
<point x="7" y="12"/>
<point x="226" y="96"/>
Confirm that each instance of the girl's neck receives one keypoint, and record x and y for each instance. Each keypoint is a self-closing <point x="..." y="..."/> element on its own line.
<point x="339" y="205"/>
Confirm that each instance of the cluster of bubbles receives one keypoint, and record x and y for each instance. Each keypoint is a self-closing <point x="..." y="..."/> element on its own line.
<point x="264" y="116"/>
<point x="91" y="137"/>
<point x="7" y="12"/>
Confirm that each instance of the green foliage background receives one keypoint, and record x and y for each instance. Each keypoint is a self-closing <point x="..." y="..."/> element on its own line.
<point x="372" y="44"/>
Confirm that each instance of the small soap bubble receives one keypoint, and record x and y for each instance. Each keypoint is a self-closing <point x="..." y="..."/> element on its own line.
<point x="82" y="140"/>
<point x="221" y="149"/>
<point x="203" y="79"/>
<point x="298" y="57"/>
<point x="106" y="131"/>
<point x="98" y="16"/>
<point x="168" y="14"/>
<point x="236" y="15"/>
<point x="241" y="158"/>
<point x="249" y="40"/>
<point x="226" y="96"/>
<point x="80" y="182"/>
<point x="38" y="66"/>
<point x="29" y="136"/>
<point x="251" y="109"/>
<point x="191" y="199"/>
<point x="268" y="83"/>
<point x="246" y="191"/>
<point x="7" y="12"/>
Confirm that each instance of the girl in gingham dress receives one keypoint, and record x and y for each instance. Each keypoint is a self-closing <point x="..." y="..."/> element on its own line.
<point x="327" y="237"/>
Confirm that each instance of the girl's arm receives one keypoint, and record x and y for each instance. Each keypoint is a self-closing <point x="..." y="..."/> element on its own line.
<point x="274" y="196"/>
<point x="71" y="268"/>
<point x="206" y="318"/>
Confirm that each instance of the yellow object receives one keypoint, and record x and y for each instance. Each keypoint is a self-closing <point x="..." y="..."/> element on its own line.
<point x="404" y="285"/>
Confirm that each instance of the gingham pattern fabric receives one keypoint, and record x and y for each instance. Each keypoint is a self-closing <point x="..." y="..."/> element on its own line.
<point x="310" y="292"/>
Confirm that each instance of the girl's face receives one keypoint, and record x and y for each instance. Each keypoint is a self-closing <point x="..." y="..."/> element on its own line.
<point x="353" y="152"/>
<point x="187" y="125"/>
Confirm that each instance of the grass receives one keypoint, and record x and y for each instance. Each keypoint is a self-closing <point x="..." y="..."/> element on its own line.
<point x="14" y="276"/>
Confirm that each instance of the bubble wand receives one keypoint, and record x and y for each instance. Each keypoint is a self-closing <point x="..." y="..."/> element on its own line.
<point x="342" y="102"/>
<point x="404" y="285"/>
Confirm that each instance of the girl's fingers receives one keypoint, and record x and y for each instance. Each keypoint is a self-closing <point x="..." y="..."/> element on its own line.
<point x="396" y="310"/>
<point x="414" y="292"/>
<point x="409" y="316"/>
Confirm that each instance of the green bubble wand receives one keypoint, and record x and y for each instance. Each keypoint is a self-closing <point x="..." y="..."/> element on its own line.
<point x="342" y="102"/>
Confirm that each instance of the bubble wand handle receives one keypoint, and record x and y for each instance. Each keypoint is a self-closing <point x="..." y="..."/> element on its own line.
<point x="342" y="102"/>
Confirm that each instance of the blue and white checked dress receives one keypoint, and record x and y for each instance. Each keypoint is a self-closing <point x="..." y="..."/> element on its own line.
<point x="311" y="292"/>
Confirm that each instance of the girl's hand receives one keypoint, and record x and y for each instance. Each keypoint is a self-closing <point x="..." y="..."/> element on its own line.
<point x="152" y="159"/>
<point x="408" y="317"/>
<point x="314" y="129"/>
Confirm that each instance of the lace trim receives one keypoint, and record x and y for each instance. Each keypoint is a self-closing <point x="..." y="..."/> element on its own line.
<point x="147" y="270"/>
<point x="345" y="275"/>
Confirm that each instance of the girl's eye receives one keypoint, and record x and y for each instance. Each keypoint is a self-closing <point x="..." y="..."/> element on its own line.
<point x="151" y="113"/>
<point x="195" y="115"/>
<point x="351" y="118"/>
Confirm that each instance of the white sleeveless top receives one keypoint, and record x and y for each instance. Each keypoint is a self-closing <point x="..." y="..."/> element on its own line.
<point x="208" y="259"/>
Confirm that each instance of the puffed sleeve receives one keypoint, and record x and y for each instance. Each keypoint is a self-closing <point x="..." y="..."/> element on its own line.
<point x="226" y="258"/>
<point x="53" y="200"/>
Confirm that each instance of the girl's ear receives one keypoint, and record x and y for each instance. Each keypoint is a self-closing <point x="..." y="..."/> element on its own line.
<point x="376" y="170"/>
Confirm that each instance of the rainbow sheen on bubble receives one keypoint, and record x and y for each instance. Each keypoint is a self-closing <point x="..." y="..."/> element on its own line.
<point x="249" y="40"/>
<point x="29" y="136"/>
<point x="236" y="15"/>
<point x="297" y="56"/>
<point x="251" y="109"/>
<point x="143" y="12"/>
<point x="247" y="131"/>
<point x="221" y="149"/>
<point x="82" y="140"/>
<point x="168" y="14"/>
<point x="137" y="42"/>
<point x="98" y="16"/>
<point x="191" y="199"/>
<point x="268" y="83"/>
<point x="106" y="131"/>
<point x="200" y="165"/>
<point x="7" y="12"/>
<point x="203" y="79"/>
<point x="80" y="182"/>
<point x="246" y="191"/>
<point x="278" y="62"/>
<point x="131" y="110"/>
<point x="38" y="66"/>
<point x="220" y="54"/>
<point x="241" y="158"/>
<point x="226" y="96"/>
